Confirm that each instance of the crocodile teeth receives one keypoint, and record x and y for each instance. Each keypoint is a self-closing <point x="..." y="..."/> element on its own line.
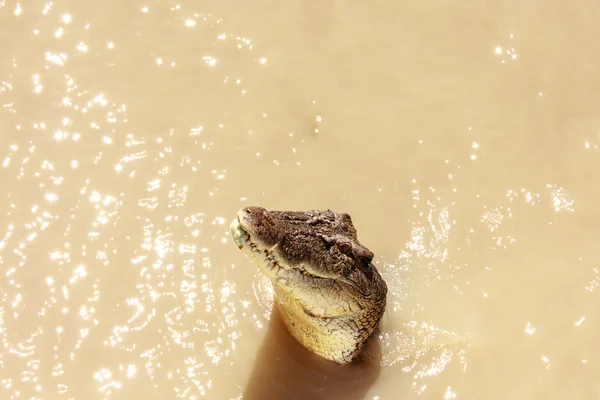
<point x="263" y="258"/>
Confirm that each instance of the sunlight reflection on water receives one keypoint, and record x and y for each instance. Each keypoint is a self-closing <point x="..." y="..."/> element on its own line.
<point x="132" y="133"/>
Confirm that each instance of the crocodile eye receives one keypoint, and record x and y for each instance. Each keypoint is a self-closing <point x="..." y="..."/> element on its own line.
<point x="346" y="249"/>
<point x="366" y="257"/>
<point x="365" y="262"/>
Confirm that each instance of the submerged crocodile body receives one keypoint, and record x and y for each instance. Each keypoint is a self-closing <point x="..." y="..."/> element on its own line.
<point x="330" y="295"/>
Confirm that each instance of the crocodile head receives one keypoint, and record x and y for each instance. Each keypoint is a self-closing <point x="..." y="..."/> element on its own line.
<point x="329" y="293"/>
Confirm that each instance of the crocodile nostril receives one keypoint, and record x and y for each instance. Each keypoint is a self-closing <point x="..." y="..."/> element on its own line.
<point x="255" y="211"/>
<point x="256" y="216"/>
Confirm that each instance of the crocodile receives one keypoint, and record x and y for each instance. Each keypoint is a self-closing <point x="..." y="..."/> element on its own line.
<point x="330" y="295"/>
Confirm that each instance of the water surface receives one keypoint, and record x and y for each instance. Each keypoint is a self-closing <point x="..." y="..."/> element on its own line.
<point x="462" y="138"/>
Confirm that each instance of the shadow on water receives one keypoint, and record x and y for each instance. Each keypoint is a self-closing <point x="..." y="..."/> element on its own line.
<point x="284" y="369"/>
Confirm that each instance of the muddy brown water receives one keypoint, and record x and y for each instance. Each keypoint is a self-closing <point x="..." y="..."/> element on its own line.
<point x="462" y="138"/>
